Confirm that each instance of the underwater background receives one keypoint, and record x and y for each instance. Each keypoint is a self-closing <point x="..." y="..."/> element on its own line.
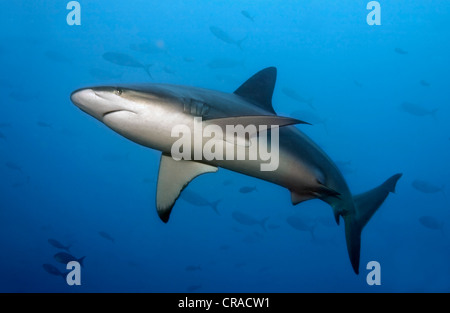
<point x="378" y="97"/>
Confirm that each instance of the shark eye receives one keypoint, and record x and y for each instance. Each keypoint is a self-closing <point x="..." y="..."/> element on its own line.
<point x="118" y="91"/>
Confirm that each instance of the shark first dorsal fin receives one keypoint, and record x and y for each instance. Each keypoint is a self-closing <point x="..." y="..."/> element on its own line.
<point x="258" y="89"/>
<point x="173" y="177"/>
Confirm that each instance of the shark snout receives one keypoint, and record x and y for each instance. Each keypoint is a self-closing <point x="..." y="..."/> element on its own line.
<point x="95" y="102"/>
<point x="81" y="96"/>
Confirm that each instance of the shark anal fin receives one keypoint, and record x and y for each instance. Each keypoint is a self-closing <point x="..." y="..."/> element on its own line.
<point x="173" y="177"/>
<point x="297" y="198"/>
<point x="258" y="89"/>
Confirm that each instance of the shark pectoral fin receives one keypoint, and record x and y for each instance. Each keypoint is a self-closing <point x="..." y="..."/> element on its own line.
<point x="258" y="89"/>
<point x="297" y="198"/>
<point x="173" y="177"/>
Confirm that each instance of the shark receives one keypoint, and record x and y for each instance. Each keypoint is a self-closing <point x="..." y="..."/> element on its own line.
<point x="147" y="113"/>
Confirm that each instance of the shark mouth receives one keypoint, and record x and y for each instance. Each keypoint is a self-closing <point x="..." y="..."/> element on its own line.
<point x="115" y="111"/>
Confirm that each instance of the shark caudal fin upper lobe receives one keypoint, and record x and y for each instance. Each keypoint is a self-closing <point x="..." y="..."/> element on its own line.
<point x="366" y="204"/>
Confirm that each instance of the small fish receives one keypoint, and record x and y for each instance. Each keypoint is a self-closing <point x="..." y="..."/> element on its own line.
<point x="247" y="15"/>
<point x="251" y="239"/>
<point x="64" y="258"/>
<point x="326" y="221"/>
<point x="273" y="226"/>
<point x="193" y="268"/>
<point x="401" y="51"/>
<point x="247" y="189"/>
<point x="169" y="70"/>
<point x="226" y="79"/>
<point x="23" y="96"/>
<point x="236" y="229"/>
<point x="57" y="57"/>
<point x="240" y="264"/>
<point x="133" y="264"/>
<point x="431" y="223"/>
<point x="418" y="110"/>
<point x="224" y="63"/>
<point x="13" y="166"/>
<point x="345" y="167"/>
<point x="189" y="59"/>
<point x="426" y="187"/>
<point x="22" y="183"/>
<point x="46" y="227"/>
<point x="113" y="157"/>
<point x="44" y="124"/>
<point x="310" y="117"/>
<point x="248" y="220"/>
<point x="196" y="199"/>
<point x="224" y="247"/>
<point x="53" y="270"/>
<point x="150" y="47"/>
<point x="295" y="96"/>
<point x="193" y="288"/>
<point x="106" y="236"/>
<point x="123" y="59"/>
<point x="301" y="225"/>
<point x="104" y="74"/>
<point x="358" y="84"/>
<point x="264" y="269"/>
<point x="58" y="245"/>
<point x="424" y="83"/>
<point x="227" y="182"/>
<point x="222" y="35"/>
<point x="147" y="181"/>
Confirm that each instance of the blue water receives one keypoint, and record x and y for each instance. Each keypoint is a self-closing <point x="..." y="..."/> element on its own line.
<point x="68" y="177"/>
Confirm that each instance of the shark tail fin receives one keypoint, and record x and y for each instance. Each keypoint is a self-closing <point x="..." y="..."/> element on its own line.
<point x="433" y="114"/>
<point x="325" y="126"/>
<point x="263" y="223"/>
<point x="366" y="205"/>
<point x="312" y="231"/>
<point x="444" y="194"/>
<point x="214" y="205"/>
<point x="81" y="261"/>
<point x="147" y="70"/>
<point x="310" y="102"/>
<point x="239" y="42"/>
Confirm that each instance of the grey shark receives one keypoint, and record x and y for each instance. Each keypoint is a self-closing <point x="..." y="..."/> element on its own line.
<point x="147" y="113"/>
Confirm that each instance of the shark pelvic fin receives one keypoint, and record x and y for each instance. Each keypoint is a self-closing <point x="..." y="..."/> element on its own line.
<point x="324" y="191"/>
<point x="173" y="177"/>
<point x="258" y="89"/>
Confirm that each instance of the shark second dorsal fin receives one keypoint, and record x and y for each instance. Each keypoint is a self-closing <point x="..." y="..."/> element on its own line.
<point x="173" y="177"/>
<point x="258" y="89"/>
